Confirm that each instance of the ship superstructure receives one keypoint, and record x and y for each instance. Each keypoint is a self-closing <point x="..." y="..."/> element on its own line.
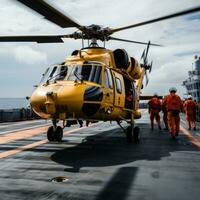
<point x="192" y="83"/>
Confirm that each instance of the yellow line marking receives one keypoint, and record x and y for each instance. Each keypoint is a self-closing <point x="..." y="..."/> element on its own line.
<point x="21" y="134"/>
<point x="35" y="144"/>
<point x="186" y="125"/>
<point x="192" y="138"/>
<point x="23" y="129"/>
<point x="183" y="121"/>
<point x="23" y="148"/>
<point x="10" y="124"/>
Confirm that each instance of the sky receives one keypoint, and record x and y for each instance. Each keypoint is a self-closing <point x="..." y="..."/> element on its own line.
<point x="21" y="64"/>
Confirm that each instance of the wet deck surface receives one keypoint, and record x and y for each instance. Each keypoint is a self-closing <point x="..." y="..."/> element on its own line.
<point x="98" y="163"/>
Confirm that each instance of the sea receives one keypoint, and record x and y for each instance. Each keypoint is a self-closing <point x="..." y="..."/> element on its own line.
<point x="12" y="103"/>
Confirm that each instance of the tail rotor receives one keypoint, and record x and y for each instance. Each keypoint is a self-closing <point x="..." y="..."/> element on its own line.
<point x="147" y="66"/>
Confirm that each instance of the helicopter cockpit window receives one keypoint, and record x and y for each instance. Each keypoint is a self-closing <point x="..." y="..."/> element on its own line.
<point x="58" y="72"/>
<point x="44" y="75"/>
<point x="86" y="72"/>
<point x="52" y="74"/>
<point x="62" y="73"/>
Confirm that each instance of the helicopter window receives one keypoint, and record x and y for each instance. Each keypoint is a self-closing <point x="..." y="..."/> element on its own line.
<point x="44" y="76"/>
<point x="53" y="72"/>
<point x="62" y="73"/>
<point x="91" y="73"/>
<point x="118" y="85"/>
<point x="108" y="79"/>
<point x="58" y="72"/>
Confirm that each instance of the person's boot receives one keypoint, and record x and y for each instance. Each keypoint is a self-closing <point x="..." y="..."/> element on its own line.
<point x="173" y="137"/>
<point x="194" y="128"/>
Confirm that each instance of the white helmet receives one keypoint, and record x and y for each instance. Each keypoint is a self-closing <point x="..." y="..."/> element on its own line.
<point x="189" y="96"/>
<point x="155" y="95"/>
<point x="173" y="89"/>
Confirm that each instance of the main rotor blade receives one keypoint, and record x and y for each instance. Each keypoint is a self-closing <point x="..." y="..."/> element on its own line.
<point x="150" y="67"/>
<point x="50" y="13"/>
<point x="147" y="51"/>
<point x="185" y="12"/>
<point x="143" y="53"/>
<point x="147" y="78"/>
<point x="132" y="41"/>
<point x="37" y="38"/>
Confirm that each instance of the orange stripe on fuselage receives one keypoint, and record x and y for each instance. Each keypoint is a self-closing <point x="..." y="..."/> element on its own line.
<point x="192" y="138"/>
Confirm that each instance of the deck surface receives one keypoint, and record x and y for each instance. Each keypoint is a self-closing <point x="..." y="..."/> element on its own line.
<point x="97" y="163"/>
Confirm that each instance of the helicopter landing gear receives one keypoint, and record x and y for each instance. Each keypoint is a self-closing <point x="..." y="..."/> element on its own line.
<point x="55" y="133"/>
<point x="132" y="134"/>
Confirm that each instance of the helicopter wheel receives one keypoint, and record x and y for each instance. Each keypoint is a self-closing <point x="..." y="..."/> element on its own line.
<point x="58" y="134"/>
<point x="132" y="135"/>
<point x="50" y="134"/>
<point x="55" y="135"/>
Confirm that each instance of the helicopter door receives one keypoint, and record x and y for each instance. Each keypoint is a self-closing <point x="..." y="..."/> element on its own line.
<point x="129" y="93"/>
<point x="119" y="90"/>
<point x="109" y="87"/>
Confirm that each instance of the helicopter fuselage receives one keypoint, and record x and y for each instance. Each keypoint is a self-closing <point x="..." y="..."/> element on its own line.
<point x="89" y="85"/>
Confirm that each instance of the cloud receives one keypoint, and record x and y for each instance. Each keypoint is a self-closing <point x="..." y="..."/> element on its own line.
<point x="27" y="55"/>
<point x="180" y="36"/>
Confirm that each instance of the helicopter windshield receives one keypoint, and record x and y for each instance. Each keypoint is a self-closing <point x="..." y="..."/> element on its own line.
<point x="56" y="72"/>
<point x="86" y="72"/>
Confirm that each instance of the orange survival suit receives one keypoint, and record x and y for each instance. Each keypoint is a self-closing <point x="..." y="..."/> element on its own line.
<point x="174" y="106"/>
<point x="154" y="109"/>
<point x="190" y="113"/>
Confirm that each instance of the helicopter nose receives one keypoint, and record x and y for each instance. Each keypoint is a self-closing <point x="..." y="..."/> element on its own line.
<point x="37" y="98"/>
<point x="53" y="100"/>
<point x="42" y="103"/>
<point x="70" y="100"/>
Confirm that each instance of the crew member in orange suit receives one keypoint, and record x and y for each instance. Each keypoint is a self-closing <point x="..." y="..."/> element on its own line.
<point x="190" y="113"/>
<point x="174" y="106"/>
<point x="154" y="109"/>
<point x="164" y="109"/>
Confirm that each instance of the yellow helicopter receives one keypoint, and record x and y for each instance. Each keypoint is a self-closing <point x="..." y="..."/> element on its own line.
<point x="94" y="83"/>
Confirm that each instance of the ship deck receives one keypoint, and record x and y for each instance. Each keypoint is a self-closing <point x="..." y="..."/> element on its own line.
<point x="97" y="163"/>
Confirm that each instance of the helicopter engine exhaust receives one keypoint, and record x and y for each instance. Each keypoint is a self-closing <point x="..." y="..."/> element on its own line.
<point x="129" y="64"/>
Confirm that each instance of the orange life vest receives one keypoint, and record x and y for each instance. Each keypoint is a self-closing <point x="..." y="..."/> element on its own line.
<point x="173" y="103"/>
<point x="155" y="104"/>
<point x="189" y="106"/>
